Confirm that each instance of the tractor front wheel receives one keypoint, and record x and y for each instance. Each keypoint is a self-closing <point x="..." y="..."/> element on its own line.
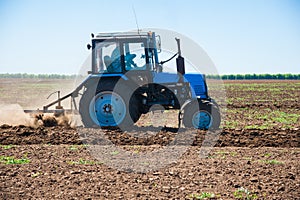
<point x="201" y="115"/>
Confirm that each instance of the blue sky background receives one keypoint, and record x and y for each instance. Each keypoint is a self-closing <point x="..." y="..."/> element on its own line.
<point x="257" y="36"/>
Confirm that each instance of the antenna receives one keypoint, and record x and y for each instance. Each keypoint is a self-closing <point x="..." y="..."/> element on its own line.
<point x="136" y="22"/>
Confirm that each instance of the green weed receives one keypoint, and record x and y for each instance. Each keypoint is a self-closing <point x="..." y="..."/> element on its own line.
<point x="76" y="147"/>
<point x="114" y="153"/>
<point x="34" y="175"/>
<point x="7" y="146"/>
<point x="11" y="160"/>
<point x="73" y="147"/>
<point x="223" y="154"/>
<point x="211" y="156"/>
<point x="243" y="193"/>
<point x="233" y="153"/>
<point x="260" y="127"/>
<point x="203" y="195"/>
<point x="145" y="163"/>
<point x="272" y="162"/>
<point x="231" y="124"/>
<point x="83" y="162"/>
<point x="267" y="155"/>
<point x="136" y="149"/>
<point x="247" y="158"/>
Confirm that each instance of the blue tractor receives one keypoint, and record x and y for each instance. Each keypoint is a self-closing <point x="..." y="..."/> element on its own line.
<point x="127" y="80"/>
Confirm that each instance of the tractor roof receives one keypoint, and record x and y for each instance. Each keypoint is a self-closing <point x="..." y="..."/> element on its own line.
<point x="116" y="35"/>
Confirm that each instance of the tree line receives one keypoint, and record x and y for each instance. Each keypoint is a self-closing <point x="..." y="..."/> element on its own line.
<point x="255" y="76"/>
<point x="37" y="76"/>
<point x="209" y="76"/>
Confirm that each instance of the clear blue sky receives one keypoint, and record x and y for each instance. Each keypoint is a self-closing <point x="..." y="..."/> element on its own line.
<point x="255" y="36"/>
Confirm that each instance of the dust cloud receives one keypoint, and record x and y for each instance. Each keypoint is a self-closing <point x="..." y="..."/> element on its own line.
<point x="14" y="115"/>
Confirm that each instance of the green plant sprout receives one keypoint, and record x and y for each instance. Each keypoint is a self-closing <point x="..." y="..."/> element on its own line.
<point x="203" y="195"/>
<point x="34" y="175"/>
<point x="73" y="148"/>
<point x="7" y="146"/>
<point x="83" y="162"/>
<point x="267" y="155"/>
<point x="11" y="160"/>
<point x="247" y="158"/>
<point x="114" y="153"/>
<point x="272" y="162"/>
<point x="223" y="154"/>
<point x="243" y="193"/>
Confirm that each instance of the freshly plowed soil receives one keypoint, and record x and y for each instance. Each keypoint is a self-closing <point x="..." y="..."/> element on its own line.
<point x="58" y="172"/>
<point x="61" y="168"/>
<point x="22" y="135"/>
<point x="256" y="155"/>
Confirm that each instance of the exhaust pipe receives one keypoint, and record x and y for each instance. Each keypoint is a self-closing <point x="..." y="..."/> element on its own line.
<point x="180" y="60"/>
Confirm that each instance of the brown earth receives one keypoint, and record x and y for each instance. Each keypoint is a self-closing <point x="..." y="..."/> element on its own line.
<point x="61" y="168"/>
<point x="263" y="161"/>
<point x="59" y="172"/>
<point x="23" y="135"/>
<point x="273" y="94"/>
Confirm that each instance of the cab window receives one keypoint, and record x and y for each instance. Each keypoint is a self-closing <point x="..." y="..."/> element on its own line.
<point x="134" y="56"/>
<point x="108" y="57"/>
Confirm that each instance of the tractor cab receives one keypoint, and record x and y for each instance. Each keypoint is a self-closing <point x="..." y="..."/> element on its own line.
<point x="118" y="53"/>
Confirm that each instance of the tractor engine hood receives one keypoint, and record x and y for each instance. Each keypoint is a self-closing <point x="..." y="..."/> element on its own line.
<point x="197" y="82"/>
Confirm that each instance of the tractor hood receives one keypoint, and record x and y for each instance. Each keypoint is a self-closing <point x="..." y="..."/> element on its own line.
<point x="197" y="82"/>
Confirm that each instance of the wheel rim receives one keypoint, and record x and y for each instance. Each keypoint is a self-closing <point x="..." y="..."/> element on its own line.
<point x="107" y="109"/>
<point x="202" y="120"/>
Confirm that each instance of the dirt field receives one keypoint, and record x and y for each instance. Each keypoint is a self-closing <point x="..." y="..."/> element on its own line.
<point x="256" y="154"/>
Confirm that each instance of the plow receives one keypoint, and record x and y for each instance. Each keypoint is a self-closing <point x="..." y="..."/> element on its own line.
<point x="59" y="109"/>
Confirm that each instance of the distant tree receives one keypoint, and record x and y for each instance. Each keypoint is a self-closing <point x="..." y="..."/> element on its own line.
<point x="225" y="77"/>
<point x="240" y="76"/>
<point x="248" y="76"/>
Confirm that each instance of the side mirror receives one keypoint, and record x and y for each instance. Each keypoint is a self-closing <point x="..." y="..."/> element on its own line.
<point x="158" y="43"/>
<point x="89" y="46"/>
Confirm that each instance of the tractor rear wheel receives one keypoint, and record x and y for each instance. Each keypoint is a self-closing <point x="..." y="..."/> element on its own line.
<point x="109" y="107"/>
<point x="201" y="115"/>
